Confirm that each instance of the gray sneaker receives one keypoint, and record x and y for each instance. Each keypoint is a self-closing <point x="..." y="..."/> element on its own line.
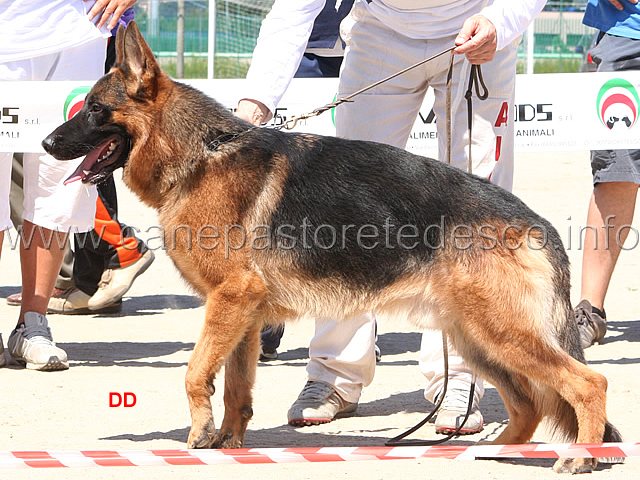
<point x="3" y="359"/>
<point x="453" y="410"/>
<point x="31" y="343"/>
<point x="592" y="323"/>
<point x="318" y="403"/>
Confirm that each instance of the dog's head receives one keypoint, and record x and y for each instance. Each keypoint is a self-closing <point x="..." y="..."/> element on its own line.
<point x="112" y="117"/>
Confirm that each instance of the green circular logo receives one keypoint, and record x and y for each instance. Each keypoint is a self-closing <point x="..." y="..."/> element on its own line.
<point x="74" y="102"/>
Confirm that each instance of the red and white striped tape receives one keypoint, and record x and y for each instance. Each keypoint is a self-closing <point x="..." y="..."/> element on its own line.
<point x="131" y="458"/>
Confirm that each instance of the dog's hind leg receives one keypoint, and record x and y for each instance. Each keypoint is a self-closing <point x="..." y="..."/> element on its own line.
<point x="239" y="377"/>
<point x="559" y="387"/>
<point x="537" y="380"/>
<point x="524" y="417"/>
<point x="229" y="317"/>
<point x="585" y="391"/>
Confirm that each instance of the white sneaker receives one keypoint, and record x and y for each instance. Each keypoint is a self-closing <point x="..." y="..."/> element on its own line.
<point x="318" y="403"/>
<point x="453" y="411"/>
<point x="3" y="359"/>
<point x="115" y="282"/>
<point x="31" y="343"/>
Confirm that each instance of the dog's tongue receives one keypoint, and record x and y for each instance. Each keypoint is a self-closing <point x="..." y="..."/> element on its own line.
<point x="79" y="174"/>
<point x="88" y="162"/>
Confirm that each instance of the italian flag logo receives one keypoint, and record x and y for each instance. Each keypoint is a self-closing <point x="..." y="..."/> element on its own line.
<point x="617" y="104"/>
<point x="74" y="102"/>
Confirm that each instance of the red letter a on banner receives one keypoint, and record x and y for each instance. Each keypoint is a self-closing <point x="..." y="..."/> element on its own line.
<point x="502" y="116"/>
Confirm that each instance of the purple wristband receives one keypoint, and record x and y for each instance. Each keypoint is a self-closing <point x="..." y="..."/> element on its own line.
<point x="126" y="17"/>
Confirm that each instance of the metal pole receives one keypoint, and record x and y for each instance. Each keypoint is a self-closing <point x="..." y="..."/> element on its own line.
<point x="153" y="27"/>
<point x="211" y="49"/>
<point x="180" y="41"/>
<point x="530" y="47"/>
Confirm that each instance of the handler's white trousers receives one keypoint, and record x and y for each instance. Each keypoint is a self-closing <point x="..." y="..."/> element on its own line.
<point x="47" y="201"/>
<point x="342" y="352"/>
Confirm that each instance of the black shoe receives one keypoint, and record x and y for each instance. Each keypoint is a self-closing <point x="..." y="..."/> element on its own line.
<point x="268" y="355"/>
<point x="378" y="354"/>
<point x="592" y="323"/>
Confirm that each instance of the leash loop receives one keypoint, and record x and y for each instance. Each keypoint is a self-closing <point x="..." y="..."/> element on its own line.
<point x="475" y="80"/>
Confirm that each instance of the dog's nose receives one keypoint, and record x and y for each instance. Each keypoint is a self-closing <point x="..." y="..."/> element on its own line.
<point x="48" y="143"/>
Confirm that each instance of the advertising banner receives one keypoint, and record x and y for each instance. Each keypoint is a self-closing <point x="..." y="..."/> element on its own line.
<point x="553" y="112"/>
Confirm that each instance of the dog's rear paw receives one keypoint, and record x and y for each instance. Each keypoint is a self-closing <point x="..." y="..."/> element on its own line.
<point x="203" y="437"/>
<point x="575" y="465"/>
<point x="227" y="440"/>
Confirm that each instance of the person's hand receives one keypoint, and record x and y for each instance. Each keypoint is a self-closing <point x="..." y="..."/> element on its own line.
<point x="477" y="40"/>
<point x="253" y="111"/>
<point x="618" y="3"/>
<point x="106" y="9"/>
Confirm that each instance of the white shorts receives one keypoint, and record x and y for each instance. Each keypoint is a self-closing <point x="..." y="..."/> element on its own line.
<point x="47" y="202"/>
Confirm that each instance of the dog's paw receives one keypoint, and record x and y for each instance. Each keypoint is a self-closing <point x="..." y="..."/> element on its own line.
<point x="202" y="437"/>
<point x="575" y="465"/>
<point x="227" y="440"/>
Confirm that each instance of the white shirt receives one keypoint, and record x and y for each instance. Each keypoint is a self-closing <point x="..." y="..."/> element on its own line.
<point x="285" y="32"/>
<point x="442" y="18"/>
<point x="32" y="28"/>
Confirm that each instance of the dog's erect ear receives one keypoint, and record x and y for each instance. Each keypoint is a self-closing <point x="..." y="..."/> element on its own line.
<point x="119" y="45"/>
<point x="137" y="63"/>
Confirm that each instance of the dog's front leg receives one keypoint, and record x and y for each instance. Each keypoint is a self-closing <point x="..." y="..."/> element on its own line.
<point x="239" y="377"/>
<point x="229" y="320"/>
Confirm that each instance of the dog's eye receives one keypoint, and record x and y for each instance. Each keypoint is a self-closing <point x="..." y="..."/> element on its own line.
<point x="95" y="108"/>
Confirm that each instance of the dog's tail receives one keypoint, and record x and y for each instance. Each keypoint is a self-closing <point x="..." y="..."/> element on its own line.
<point x="611" y="434"/>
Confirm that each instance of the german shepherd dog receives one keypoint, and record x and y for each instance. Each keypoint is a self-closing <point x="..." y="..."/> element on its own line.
<point x="294" y="225"/>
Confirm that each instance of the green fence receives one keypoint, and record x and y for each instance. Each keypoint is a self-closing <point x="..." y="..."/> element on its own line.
<point x="560" y="39"/>
<point x="237" y="26"/>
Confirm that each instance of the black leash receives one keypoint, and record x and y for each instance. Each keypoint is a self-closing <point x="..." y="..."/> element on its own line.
<point x="398" y="440"/>
<point x="475" y="79"/>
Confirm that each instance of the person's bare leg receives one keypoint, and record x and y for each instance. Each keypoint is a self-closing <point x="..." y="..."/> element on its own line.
<point x="41" y="254"/>
<point x="611" y="207"/>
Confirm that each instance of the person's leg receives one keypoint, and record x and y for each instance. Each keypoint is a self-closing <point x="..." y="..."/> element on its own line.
<point x="64" y="281"/>
<point x="5" y="216"/>
<point x="342" y="362"/>
<point x="616" y="176"/>
<point x="41" y="253"/>
<point x="609" y="218"/>
<point x="270" y="337"/>
<point x="5" y="187"/>
<point x="492" y="157"/>
<point x="313" y="66"/>
<point x="493" y="122"/>
<point x="342" y="354"/>
<point x="108" y="259"/>
<point x="387" y="112"/>
<point x="48" y="207"/>
<point x="124" y="256"/>
<point x="50" y="214"/>
<point x="459" y="379"/>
